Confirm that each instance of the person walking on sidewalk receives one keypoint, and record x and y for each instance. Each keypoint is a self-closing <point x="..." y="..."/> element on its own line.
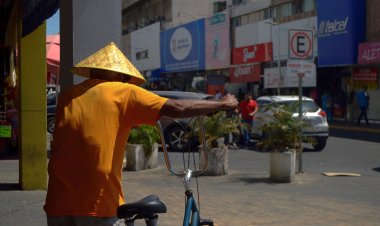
<point x="362" y="99"/>
<point x="93" y="122"/>
<point x="248" y="108"/>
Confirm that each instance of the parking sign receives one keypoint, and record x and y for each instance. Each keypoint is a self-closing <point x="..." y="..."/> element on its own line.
<point x="300" y="44"/>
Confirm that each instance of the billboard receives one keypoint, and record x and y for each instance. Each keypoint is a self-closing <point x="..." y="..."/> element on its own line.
<point x="145" y="47"/>
<point x="183" y="47"/>
<point x="340" y="29"/>
<point x="218" y="41"/>
<point x="251" y="54"/>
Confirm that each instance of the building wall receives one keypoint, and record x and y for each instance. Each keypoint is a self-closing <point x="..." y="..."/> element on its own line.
<point x="373" y="20"/>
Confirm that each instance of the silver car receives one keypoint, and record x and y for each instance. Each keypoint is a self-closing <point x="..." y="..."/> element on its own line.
<point x="312" y="114"/>
<point x="175" y="129"/>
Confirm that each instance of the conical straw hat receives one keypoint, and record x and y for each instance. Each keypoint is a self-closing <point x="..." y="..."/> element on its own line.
<point x="112" y="59"/>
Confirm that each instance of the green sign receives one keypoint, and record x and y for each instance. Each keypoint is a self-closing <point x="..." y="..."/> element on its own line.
<point x="5" y="131"/>
<point x="218" y="18"/>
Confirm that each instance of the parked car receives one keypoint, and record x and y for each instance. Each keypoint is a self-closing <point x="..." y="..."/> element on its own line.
<point x="51" y="100"/>
<point x="312" y="114"/>
<point x="174" y="129"/>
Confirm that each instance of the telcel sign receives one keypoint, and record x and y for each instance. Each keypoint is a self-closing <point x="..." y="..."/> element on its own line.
<point x="327" y="27"/>
<point x="340" y="29"/>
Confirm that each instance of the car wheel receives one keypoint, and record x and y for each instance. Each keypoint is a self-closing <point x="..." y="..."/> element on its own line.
<point x="51" y="124"/>
<point x="175" y="138"/>
<point x="320" y="144"/>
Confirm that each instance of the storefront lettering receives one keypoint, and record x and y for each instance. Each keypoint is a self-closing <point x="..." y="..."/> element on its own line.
<point x="241" y="71"/>
<point x="328" y="27"/>
<point x="249" y="55"/>
<point x="371" y="54"/>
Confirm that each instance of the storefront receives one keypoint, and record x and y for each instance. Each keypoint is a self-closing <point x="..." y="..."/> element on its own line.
<point x="183" y="56"/>
<point x="341" y="27"/>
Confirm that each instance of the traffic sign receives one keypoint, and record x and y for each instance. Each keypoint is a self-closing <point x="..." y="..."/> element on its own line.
<point x="300" y="44"/>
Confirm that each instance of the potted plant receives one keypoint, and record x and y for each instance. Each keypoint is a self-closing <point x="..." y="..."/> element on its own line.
<point x="217" y="126"/>
<point x="142" y="148"/>
<point x="282" y="136"/>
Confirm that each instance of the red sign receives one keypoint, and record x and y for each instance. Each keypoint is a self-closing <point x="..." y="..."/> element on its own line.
<point x="369" y="53"/>
<point x="245" y="73"/>
<point x="251" y="54"/>
<point x="365" y="77"/>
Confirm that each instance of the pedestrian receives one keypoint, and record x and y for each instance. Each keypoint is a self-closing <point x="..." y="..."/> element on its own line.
<point x="93" y="122"/>
<point x="240" y="95"/>
<point x="362" y="98"/>
<point x="248" y="108"/>
<point x="327" y="105"/>
<point x="218" y="95"/>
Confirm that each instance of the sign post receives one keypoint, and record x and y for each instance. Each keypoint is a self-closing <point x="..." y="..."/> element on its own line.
<point x="300" y="74"/>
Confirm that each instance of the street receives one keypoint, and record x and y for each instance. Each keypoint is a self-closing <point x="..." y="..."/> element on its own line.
<point x="245" y="196"/>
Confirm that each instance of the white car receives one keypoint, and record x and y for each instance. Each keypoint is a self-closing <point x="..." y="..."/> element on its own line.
<point x="312" y="114"/>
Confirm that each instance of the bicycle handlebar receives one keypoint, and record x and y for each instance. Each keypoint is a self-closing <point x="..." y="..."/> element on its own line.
<point x="202" y="151"/>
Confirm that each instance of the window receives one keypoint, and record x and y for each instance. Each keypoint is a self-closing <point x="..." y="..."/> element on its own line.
<point x="235" y="22"/>
<point x="286" y="10"/>
<point x="244" y="20"/>
<point x="220" y="6"/>
<point x="308" y="5"/>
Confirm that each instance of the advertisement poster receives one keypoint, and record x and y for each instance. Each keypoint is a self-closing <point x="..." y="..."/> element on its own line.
<point x="183" y="47"/>
<point x="218" y="41"/>
<point x="365" y="77"/>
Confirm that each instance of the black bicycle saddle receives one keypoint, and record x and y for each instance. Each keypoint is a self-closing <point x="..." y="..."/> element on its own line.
<point x="146" y="206"/>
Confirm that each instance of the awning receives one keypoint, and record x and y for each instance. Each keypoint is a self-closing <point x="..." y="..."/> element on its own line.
<point x="35" y="12"/>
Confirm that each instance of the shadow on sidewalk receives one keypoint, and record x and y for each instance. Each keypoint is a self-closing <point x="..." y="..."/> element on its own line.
<point x="253" y="180"/>
<point x="9" y="187"/>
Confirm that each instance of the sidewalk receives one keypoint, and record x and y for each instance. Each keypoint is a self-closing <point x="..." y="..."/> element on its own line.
<point x="244" y="197"/>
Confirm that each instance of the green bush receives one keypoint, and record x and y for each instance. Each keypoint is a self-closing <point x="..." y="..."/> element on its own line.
<point x="146" y="135"/>
<point x="282" y="131"/>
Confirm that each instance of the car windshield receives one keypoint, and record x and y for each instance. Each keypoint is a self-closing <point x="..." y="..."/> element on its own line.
<point x="307" y="105"/>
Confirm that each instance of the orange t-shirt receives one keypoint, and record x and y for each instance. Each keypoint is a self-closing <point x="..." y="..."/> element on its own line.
<point x="93" y="121"/>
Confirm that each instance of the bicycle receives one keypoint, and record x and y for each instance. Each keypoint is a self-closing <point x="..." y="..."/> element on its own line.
<point x="149" y="207"/>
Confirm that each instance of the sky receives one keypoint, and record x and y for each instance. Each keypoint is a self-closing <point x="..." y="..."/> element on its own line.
<point x="52" y="24"/>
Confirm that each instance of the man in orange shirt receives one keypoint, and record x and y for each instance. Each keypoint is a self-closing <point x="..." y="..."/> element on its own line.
<point x="93" y="122"/>
<point x="248" y="108"/>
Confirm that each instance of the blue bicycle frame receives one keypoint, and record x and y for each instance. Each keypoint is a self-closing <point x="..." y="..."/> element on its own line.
<point x="191" y="211"/>
<point x="191" y="215"/>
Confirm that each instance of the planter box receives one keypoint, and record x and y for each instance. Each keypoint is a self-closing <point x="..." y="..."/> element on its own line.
<point x="136" y="159"/>
<point x="282" y="166"/>
<point x="217" y="159"/>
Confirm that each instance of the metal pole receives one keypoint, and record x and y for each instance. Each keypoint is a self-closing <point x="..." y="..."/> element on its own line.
<point x="279" y="60"/>
<point x="300" y="76"/>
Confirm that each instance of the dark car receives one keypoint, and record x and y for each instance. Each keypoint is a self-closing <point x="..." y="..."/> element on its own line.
<point x="175" y="129"/>
<point x="51" y="101"/>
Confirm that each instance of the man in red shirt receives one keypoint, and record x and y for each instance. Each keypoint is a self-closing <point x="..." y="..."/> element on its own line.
<point x="248" y="108"/>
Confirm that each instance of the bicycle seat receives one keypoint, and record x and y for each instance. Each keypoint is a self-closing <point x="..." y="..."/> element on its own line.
<point x="146" y="206"/>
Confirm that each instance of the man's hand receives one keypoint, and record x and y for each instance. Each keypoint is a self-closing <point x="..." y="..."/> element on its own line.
<point x="230" y="102"/>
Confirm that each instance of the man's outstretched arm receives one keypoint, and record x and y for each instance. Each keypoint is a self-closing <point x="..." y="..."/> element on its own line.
<point x="189" y="108"/>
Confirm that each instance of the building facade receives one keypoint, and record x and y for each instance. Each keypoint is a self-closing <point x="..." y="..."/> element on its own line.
<point x="259" y="46"/>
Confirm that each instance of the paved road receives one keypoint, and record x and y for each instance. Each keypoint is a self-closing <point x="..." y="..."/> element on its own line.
<point x="245" y="196"/>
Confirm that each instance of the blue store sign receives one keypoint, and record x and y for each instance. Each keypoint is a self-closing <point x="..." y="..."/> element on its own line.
<point x="341" y="26"/>
<point x="183" y="47"/>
